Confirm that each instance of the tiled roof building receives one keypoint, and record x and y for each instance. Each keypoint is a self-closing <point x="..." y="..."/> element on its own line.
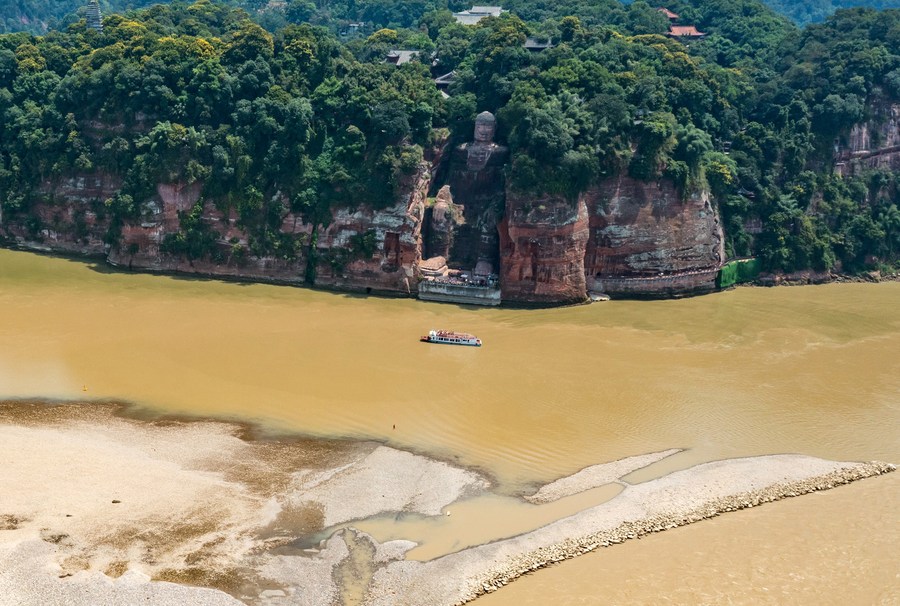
<point x="685" y="31"/>
<point x="477" y="13"/>
<point x="669" y="14"/>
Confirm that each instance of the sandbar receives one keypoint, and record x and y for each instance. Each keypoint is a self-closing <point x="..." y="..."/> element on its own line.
<point x="99" y="508"/>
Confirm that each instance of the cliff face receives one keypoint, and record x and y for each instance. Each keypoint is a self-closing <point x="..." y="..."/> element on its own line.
<point x="70" y="218"/>
<point x="648" y="240"/>
<point x="362" y="249"/>
<point x="390" y="239"/>
<point x="542" y="248"/>
<point x="141" y="245"/>
<point x="624" y="237"/>
<point x="872" y="144"/>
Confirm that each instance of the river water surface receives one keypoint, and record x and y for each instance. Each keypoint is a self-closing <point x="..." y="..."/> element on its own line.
<point x="812" y="370"/>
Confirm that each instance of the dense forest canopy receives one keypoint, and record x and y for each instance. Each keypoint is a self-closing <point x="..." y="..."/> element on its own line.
<point x="804" y="12"/>
<point x="37" y="16"/>
<point x="309" y="116"/>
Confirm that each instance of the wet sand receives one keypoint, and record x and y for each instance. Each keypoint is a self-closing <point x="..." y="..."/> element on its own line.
<point x="189" y="502"/>
<point x="97" y="508"/>
<point x="596" y="475"/>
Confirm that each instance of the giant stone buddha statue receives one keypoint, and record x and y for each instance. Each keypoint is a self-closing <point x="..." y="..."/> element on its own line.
<point x="476" y="180"/>
<point x="479" y="151"/>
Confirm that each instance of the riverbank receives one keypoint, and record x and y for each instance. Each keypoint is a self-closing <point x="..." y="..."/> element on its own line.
<point x="99" y="508"/>
<point x="803" y="278"/>
<point x="800" y="278"/>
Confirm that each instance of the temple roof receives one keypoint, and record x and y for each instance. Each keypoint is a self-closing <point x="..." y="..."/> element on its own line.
<point x="537" y="45"/>
<point x="477" y="13"/>
<point x="685" y="31"/>
<point x="671" y="16"/>
<point x="446" y="79"/>
<point x="399" y="57"/>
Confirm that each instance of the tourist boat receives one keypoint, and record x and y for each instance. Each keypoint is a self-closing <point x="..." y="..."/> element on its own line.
<point x="451" y="338"/>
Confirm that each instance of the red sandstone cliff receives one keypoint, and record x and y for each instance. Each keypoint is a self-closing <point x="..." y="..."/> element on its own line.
<point x="542" y="247"/>
<point x="648" y="239"/>
<point x="71" y="218"/>
<point x="141" y="244"/>
<point x="622" y="237"/>
<point x="396" y="233"/>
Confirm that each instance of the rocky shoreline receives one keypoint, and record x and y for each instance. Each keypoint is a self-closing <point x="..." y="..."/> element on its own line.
<point x="809" y="278"/>
<point x="765" y="280"/>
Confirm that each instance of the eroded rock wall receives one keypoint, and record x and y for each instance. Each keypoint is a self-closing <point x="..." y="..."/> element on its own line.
<point x="872" y="144"/>
<point x="141" y="246"/>
<point x="72" y="219"/>
<point x="70" y="216"/>
<point x="647" y="238"/>
<point x="396" y="232"/>
<point x="542" y="248"/>
<point x="646" y="228"/>
<point x="624" y="237"/>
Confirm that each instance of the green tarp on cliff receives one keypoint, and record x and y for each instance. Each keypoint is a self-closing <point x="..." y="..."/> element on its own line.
<point x="737" y="272"/>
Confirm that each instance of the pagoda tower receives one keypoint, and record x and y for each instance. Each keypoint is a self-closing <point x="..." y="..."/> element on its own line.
<point x="93" y="16"/>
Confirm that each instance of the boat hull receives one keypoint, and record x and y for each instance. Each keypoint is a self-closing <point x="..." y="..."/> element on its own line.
<point x="439" y="342"/>
<point x="449" y="337"/>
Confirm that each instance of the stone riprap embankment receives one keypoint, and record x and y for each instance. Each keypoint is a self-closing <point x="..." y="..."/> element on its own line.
<point x="658" y="522"/>
<point x="680" y="498"/>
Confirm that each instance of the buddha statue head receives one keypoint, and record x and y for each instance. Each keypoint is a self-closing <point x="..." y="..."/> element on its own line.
<point x="485" y="125"/>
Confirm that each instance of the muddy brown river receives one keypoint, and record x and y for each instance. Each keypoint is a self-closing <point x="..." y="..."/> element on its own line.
<point x="812" y="370"/>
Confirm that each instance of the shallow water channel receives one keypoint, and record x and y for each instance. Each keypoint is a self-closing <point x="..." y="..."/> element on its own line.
<point x="812" y="370"/>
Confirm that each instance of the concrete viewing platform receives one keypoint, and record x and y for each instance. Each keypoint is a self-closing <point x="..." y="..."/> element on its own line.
<point x="464" y="293"/>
